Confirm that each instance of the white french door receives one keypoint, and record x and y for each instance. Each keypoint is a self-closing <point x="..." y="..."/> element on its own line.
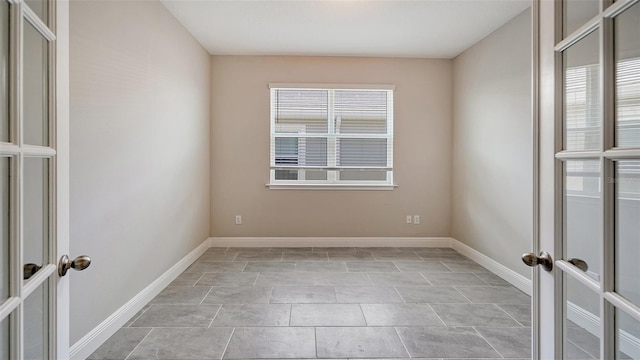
<point x="33" y="179"/>
<point x="588" y="305"/>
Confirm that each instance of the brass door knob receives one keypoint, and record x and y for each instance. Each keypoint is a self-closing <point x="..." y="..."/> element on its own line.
<point x="543" y="259"/>
<point x="80" y="263"/>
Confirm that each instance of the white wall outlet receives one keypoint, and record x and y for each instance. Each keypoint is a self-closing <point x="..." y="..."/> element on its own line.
<point x="409" y="219"/>
<point x="238" y="219"/>
<point x="416" y="219"/>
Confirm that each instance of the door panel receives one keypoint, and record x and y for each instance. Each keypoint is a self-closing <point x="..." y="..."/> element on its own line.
<point x="589" y="303"/>
<point x="29" y="171"/>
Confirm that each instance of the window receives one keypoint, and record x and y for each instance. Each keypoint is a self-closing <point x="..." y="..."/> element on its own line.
<point x="331" y="136"/>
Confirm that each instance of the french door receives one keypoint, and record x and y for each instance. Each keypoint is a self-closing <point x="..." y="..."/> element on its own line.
<point x="588" y="305"/>
<point x="33" y="179"/>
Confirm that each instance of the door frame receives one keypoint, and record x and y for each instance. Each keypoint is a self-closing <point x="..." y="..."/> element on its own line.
<point x="62" y="168"/>
<point x="545" y="145"/>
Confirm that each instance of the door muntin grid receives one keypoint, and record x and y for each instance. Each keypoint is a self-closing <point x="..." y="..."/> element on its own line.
<point x="29" y="302"/>
<point x="614" y="154"/>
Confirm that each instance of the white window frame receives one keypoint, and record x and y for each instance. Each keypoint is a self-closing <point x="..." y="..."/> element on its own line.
<point x="333" y="182"/>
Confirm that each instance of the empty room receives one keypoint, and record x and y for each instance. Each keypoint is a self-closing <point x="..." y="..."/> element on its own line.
<point x="319" y="179"/>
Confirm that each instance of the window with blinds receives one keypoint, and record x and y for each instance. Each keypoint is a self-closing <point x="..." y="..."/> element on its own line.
<point x="331" y="136"/>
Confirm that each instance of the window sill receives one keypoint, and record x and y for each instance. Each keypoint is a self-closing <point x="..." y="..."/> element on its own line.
<point x="331" y="187"/>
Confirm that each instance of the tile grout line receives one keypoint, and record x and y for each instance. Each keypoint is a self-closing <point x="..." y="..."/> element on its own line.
<point x="437" y="315"/>
<point x="142" y="311"/>
<point x="398" y="292"/>
<point x="135" y="348"/>
<point x="464" y="296"/>
<point x="445" y="265"/>
<point x="207" y="294"/>
<point x="214" y="316"/>
<point x="366" y="323"/>
<point x="487" y="341"/>
<point x="509" y="315"/>
<point x="394" y="264"/>
<point x="402" y="342"/>
<point x="369" y="277"/>
<point x="315" y="339"/>
<point x="200" y="278"/>
<point x="228" y="342"/>
<point x="481" y="279"/>
<point x="270" y="294"/>
<point x="425" y="278"/>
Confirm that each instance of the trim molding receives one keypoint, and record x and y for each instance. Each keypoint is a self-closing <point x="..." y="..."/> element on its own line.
<point x="331" y="241"/>
<point x="495" y="267"/>
<point x="629" y="344"/>
<point x="96" y="337"/>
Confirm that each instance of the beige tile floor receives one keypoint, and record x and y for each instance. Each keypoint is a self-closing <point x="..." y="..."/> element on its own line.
<point x="331" y="303"/>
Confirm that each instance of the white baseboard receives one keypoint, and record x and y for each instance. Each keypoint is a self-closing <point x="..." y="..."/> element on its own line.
<point x="331" y="241"/>
<point x="629" y="344"/>
<point x="525" y="285"/>
<point x="96" y="337"/>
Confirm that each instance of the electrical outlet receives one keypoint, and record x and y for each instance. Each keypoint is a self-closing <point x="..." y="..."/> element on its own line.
<point x="416" y="219"/>
<point x="409" y="219"/>
<point x="238" y="219"/>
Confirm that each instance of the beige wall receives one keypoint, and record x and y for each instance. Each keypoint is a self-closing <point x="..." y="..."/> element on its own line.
<point x="492" y="151"/>
<point x="240" y="150"/>
<point x="140" y="124"/>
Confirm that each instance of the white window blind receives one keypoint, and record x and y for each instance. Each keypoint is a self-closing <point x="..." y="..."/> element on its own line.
<point x="331" y="136"/>
<point x="582" y="107"/>
<point x="628" y="103"/>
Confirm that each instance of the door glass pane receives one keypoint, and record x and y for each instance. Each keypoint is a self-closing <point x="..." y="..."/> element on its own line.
<point x="35" y="76"/>
<point x="4" y="228"/>
<point x="583" y="213"/>
<point x="4" y="338"/>
<point x="577" y="13"/>
<point x="582" y="94"/>
<point x="627" y="183"/>
<point x="36" y="323"/>
<point x="627" y="44"/>
<point x="4" y="71"/>
<point x="627" y="336"/>
<point x="40" y="7"/>
<point x="582" y="327"/>
<point x="36" y="214"/>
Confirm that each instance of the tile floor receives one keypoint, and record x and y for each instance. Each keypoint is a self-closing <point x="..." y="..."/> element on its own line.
<point x="330" y="303"/>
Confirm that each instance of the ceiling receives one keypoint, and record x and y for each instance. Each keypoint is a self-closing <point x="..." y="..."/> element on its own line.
<point x="390" y="28"/>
